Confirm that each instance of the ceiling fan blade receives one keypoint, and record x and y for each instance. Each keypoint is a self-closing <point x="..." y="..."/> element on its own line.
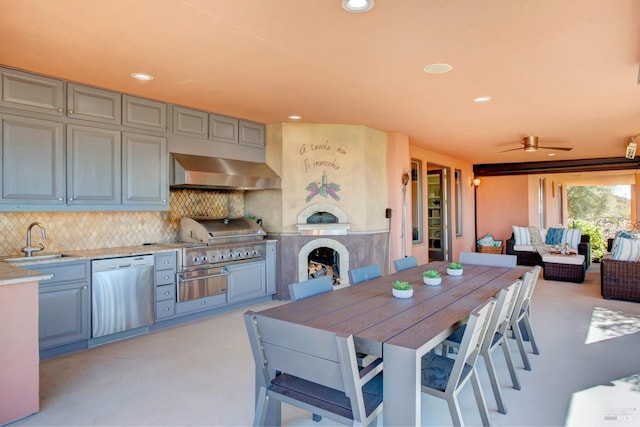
<point x="557" y="148"/>
<point x="513" y="149"/>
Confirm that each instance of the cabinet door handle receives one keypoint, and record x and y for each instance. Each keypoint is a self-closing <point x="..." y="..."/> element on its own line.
<point x="71" y="199"/>
<point x="167" y="293"/>
<point x="85" y="287"/>
<point x="70" y="111"/>
<point x="60" y="110"/>
<point x="166" y="309"/>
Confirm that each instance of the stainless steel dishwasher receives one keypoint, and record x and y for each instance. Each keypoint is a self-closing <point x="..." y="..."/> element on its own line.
<point x="122" y="294"/>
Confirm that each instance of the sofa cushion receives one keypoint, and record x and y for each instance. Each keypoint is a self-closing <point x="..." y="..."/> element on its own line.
<point x="626" y="249"/>
<point x="521" y="235"/>
<point x="524" y="248"/>
<point x="554" y="236"/>
<point x="572" y="237"/>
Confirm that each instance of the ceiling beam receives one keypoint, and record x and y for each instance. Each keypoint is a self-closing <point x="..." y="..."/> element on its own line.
<point x="557" y="166"/>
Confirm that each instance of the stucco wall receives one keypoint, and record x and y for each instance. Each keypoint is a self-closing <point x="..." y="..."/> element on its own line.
<point x="348" y="164"/>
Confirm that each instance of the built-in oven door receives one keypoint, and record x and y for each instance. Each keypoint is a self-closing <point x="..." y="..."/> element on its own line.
<point x="201" y="283"/>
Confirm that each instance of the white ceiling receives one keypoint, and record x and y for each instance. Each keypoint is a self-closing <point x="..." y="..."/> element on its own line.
<point x="564" y="70"/>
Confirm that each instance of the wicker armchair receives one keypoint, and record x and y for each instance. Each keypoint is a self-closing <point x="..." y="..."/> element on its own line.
<point x="534" y="258"/>
<point x="619" y="279"/>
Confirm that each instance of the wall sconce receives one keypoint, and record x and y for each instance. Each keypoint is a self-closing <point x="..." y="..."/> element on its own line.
<point x="476" y="182"/>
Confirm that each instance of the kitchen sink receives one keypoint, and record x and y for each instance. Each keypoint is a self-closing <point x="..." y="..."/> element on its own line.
<point x="34" y="257"/>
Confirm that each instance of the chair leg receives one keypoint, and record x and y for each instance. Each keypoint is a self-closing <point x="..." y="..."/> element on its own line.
<point x="477" y="390"/>
<point x="493" y="378"/>
<point x="532" y="339"/>
<point x="523" y="351"/>
<point x="454" y="409"/>
<point x="507" y="356"/>
<point x="261" y="408"/>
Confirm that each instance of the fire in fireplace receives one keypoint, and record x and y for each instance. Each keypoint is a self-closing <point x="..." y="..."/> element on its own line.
<point x="324" y="261"/>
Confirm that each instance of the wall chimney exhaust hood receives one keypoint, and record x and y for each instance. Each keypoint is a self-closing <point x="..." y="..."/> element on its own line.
<point x="201" y="172"/>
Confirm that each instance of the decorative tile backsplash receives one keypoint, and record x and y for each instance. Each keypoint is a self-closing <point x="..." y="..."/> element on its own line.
<point x="94" y="230"/>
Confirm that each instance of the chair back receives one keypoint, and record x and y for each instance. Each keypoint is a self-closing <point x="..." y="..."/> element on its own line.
<point x="320" y="358"/>
<point x="309" y="288"/>
<point x="526" y="292"/>
<point x="362" y="274"/>
<point x="405" y="263"/>
<point x="501" y="314"/>
<point x="494" y="260"/>
<point x="474" y="334"/>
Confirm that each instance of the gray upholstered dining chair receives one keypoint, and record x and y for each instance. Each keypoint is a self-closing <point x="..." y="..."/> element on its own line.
<point x="495" y="337"/>
<point x="405" y="263"/>
<point x="309" y="288"/>
<point x="444" y="377"/>
<point x="312" y="369"/>
<point x="521" y="317"/>
<point x="494" y="260"/>
<point x="362" y="274"/>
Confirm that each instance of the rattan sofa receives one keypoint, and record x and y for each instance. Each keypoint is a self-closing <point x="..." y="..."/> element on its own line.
<point x="533" y="258"/>
<point x="619" y="279"/>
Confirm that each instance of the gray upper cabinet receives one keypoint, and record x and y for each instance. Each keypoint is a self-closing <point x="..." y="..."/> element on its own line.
<point x="31" y="92"/>
<point x="93" y="166"/>
<point x="88" y="103"/>
<point x="32" y="161"/>
<point x="223" y="129"/>
<point x="251" y="133"/>
<point x="145" y="180"/>
<point x="190" y="122"/>
<point x="144" y="113"/>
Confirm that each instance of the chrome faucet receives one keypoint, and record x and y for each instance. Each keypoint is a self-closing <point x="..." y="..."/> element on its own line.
<point x="28" y="250"/>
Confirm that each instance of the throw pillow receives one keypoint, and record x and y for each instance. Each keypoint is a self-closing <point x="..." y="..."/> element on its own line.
<point x="486" y="240"/>
<point x="626" y="250"/>
<point x="521" y="235"/>
<point x="554" y="236"/>
<point x="572" y="237"/>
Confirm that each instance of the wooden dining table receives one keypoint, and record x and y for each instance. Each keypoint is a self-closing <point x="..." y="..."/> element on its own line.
<point x="400" y="331"/>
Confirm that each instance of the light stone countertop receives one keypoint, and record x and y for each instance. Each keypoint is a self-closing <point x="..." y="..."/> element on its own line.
<point x="18" y="272"/>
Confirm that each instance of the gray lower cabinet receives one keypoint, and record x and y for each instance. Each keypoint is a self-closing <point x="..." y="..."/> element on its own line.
<point x="89" y="103"/>
<point x="165" y="284"/>
<point x="144" y="113"/>
<point x="93" y="166"/>
<point x="32" y="161"/>
<point x="31" y="92"/>
<point x="246" y="281"/>
<point x="145" y="170"/>
<point x="64" y="303"/>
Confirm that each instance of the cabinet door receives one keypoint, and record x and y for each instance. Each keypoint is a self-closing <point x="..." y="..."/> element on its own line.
<point x="190" y="122"/>
<point x="144" y="113"/>
<point x="251" y="134"/>
<point x="30" y="92"/>
<point x="246" y="281"/>
<point x="223" y="129"/>
<point x="32" y="161"/>
<point x="145" y="170"/>
<point x="89" y="103"/>
<point x="64" y="314"/>
<point x="93" y="165"/>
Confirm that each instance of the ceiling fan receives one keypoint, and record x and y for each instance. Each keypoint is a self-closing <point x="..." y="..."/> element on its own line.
<point x="530" y="144"/>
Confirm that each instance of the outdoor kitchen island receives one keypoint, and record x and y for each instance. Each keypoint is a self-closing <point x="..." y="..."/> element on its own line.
<point x="19" y="369"/>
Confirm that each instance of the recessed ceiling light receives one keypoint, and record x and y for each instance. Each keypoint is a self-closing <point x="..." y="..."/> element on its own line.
<point x="142" y="76"/>
<point x="357" y="6"/>
<point x="482" y="99"/>
<point x="437" y="68"/>
<point x="294" y="117"/>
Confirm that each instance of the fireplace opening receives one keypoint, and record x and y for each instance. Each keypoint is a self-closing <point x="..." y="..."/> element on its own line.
<point x="324" y="261"/>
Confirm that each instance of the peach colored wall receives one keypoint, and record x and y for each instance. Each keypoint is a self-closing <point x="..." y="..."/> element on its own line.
<point x="398" y="162"/>
<point x="466" y="242"/>
<point x="502" y="202"/>
<point x="19" y="359"/>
